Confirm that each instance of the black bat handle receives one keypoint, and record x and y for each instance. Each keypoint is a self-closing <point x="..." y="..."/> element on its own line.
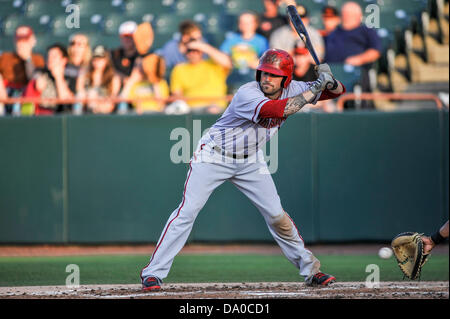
<point x="301" y="30"/>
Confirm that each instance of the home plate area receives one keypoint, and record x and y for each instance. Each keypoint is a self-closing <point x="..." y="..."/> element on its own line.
<point x="279" y="290"/>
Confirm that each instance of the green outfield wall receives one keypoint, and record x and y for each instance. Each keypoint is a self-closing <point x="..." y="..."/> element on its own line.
<point x="110" y="179"/>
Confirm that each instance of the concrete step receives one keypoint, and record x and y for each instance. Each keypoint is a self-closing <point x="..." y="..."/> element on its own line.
<point x="428" y="72"/>
<point x="437" y="53"/>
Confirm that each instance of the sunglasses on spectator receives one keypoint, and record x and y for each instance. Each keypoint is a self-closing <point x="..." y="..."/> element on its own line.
<point x="191" y="40"/>
<point x="78" y="43"/>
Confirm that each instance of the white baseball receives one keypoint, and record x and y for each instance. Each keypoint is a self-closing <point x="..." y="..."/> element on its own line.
<point x="385" y="253"/>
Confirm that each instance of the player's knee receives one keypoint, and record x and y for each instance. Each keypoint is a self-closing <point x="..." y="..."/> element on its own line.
<point x="190" y="209"/>
<point x="283" y="226"/>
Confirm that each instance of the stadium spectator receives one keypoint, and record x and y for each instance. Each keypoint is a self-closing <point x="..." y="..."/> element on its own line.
<point x="98" y="81"/>
<point x="80" y="54"/>
<point x="79" y="50"/>
<point x="201" y="78"/>
<point x="16" y="68"/>
<point x="124" y="57"/>
<point x="151" y="96"/>
<point x="147" y="81"/>
<point x="330" y="20"/>
<point x="303" y="66"/>
<point x="270" y="19"/>
<point x="244" y="47"/>
<point x="174" y="50"/>
<point x="51" y="82"/>
<point x="286" y="38"/>
<point x="354" y="43"/>
<point x="147" y="76"/>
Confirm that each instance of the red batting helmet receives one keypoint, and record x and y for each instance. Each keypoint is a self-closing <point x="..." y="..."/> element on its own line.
<point x="278" y="62"/>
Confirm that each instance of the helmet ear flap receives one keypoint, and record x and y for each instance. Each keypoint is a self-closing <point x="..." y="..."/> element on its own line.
<point x="258" y="76"/>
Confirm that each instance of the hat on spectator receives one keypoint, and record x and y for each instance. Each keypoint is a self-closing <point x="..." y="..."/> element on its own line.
<point x="303" y="13"/>
<point x="127" y="28"/>
<point x="99" y="52"/>
<point x="23" y="32"/>
<point x="329" y="12"/>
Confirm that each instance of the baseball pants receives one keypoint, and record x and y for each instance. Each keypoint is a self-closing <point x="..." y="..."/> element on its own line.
<point x="207" y="171"/>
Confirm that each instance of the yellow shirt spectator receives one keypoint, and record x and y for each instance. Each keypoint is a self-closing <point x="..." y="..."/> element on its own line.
<point x="145" y="89"/>
<point x="203" y="79"/>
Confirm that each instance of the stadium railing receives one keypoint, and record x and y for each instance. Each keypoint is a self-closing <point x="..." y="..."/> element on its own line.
<point x="387" y="96"/>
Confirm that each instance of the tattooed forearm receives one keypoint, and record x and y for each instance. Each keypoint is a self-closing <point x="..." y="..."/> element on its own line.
<point x="294" y="104"/>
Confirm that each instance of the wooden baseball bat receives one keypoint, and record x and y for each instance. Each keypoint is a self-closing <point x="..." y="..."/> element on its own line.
<point x="301" y="30"/>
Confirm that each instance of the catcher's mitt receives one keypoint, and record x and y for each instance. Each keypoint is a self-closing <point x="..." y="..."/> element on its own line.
<point x="408" y="250"/>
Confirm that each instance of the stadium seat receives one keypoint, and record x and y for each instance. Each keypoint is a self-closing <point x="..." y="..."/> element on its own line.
<point x="39" y="24"/>
<point x="349" y="75"/>
<point x="167" y="24"/>
<point x="6" y="43"/>
<point x="96" y="38"/>
<point x="10" y="23"/>
<point x="37" y="8"/>
<point x="214" y="22"/>
<point x="9" y="7"/>
<point x="89" y="8"/>
<point x="192" y="7"/>
<point x="112" y="22"/>
<point x="409" y="6"/>
<point x="45" y="40"/>
<point x="235" y="7"/>
<point x="394" y="20"/>
<point x="160" y="40"/>
<point x="215" y="39"/>
<point x="314" y="11"/>
<point x="155" y="7"/>
<point x="216" y="25"/>
<point x="110" y="41"/>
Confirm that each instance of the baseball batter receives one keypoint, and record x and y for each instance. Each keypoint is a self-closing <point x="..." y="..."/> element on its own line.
<point x="231" y="150"/>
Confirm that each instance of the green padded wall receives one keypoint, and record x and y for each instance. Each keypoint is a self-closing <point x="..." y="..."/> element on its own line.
<point x="110" y="179"/>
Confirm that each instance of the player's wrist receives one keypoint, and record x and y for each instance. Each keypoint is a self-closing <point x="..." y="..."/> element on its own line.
<point x="437" y="238"/>
<point x="335" y="85"/>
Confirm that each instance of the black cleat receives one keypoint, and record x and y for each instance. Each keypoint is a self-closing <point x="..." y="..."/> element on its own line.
<point x="321" y="279"/>
<point x="151" y="284"/>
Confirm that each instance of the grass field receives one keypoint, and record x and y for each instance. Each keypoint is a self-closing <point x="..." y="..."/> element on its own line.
<point x="125" y="269"/>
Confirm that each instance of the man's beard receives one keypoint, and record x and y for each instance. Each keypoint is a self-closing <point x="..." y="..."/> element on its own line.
<point x="269" y="90"/>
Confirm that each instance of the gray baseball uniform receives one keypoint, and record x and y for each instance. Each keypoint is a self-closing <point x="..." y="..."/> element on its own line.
<point x="231" y="151"/>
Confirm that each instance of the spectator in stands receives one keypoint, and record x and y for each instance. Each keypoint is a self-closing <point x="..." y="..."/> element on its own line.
<point x="79" y="50"/>
<point x="147" y="80"/>
<point x="303" y="66"/>
<point x="330" y="19"/>
<point x="174" y="50"/>
<point x="16" y="68"/>
<point x="51" y="82"/>
<point x="286" y="38"/>
<point x="151" y="96"/>
<point x="244" y="48"/>
<point x="270" y="19"/>
<point x="202" y="78"/>
<point x="354" y="43"/>
<point x="98" y="81"/>
<point x="124" y="57"/>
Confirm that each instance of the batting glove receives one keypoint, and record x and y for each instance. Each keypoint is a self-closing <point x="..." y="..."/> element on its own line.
<point x="324" y="81"/>
<point x="325" y="68"/>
